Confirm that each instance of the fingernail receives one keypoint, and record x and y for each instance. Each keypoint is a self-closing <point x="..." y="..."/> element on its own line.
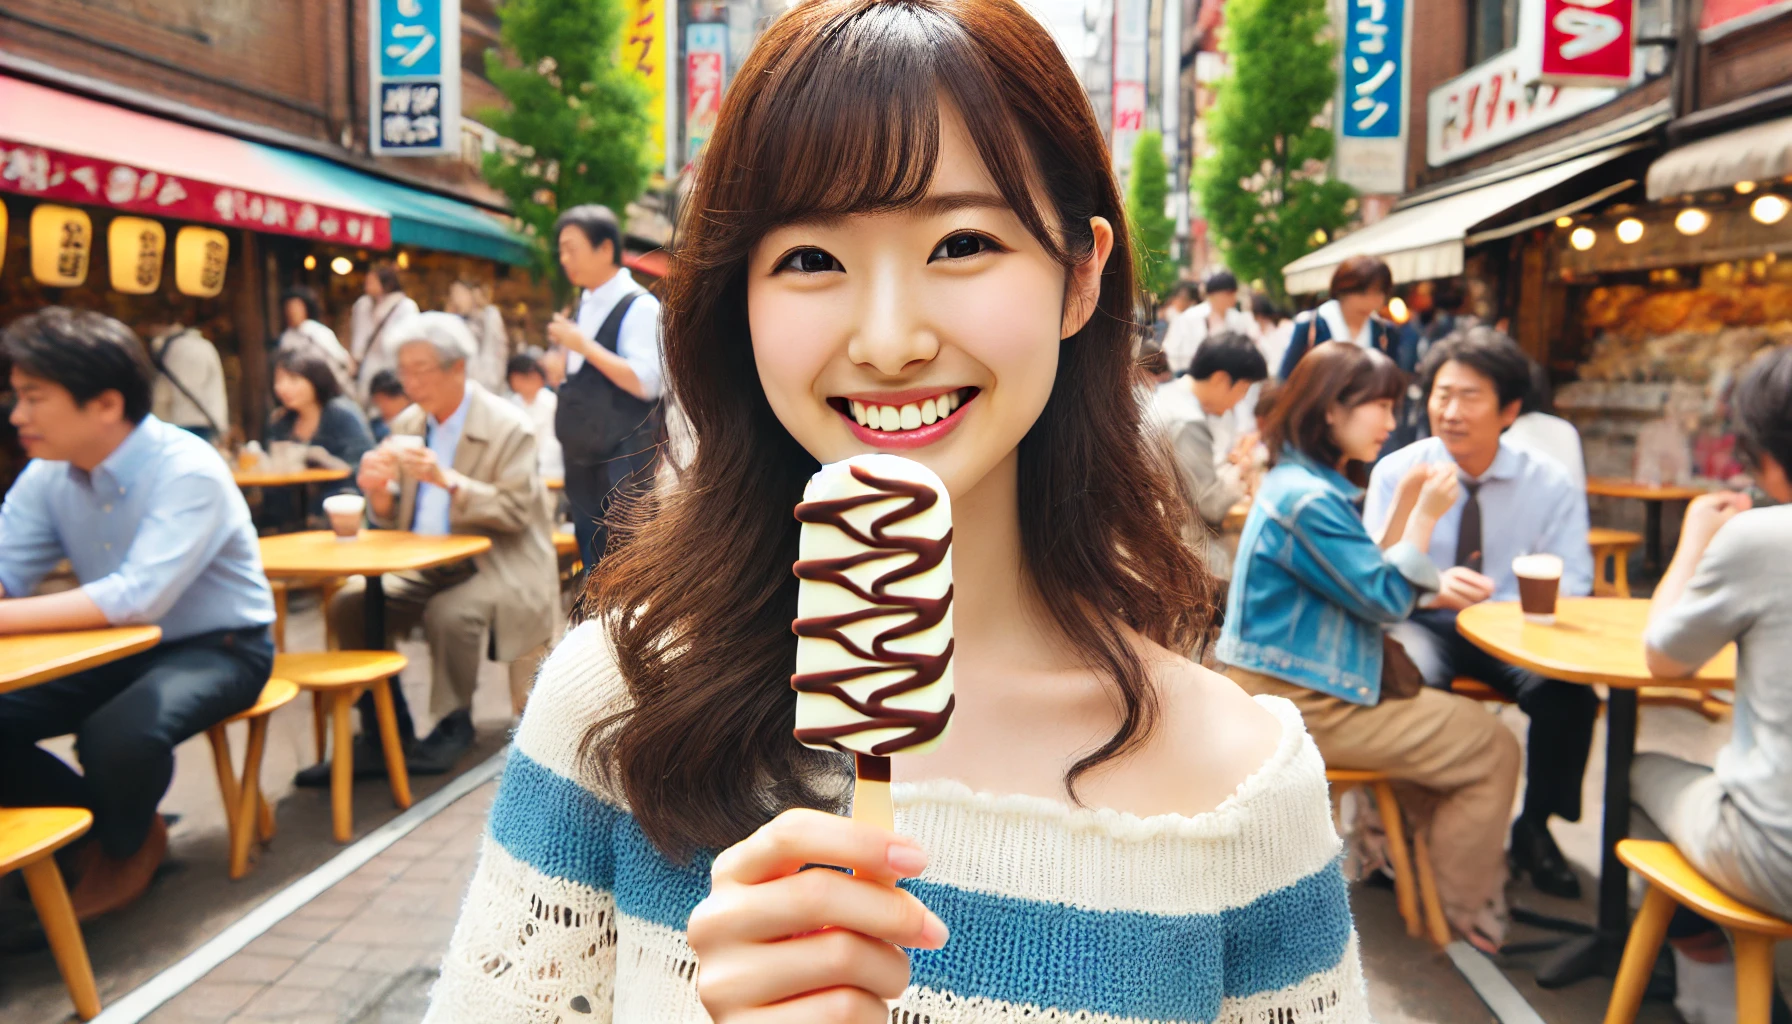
<point x="933" y="931"/>
<point x="905" y="859"/>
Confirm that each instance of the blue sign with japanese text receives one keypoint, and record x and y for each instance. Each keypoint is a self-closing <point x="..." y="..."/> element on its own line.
<point x="1374" y="97"/>
<point x="415" y="92"/>
<point x="411" y="38"/>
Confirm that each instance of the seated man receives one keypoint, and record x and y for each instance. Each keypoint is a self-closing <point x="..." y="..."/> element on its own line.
<point x="1225" y="367"/>
<point x="388" y="399"/>
<point x="475" y="473"/>
<point x="1513" y="502"/>
<point x="157" y="533"/>
<point x="1728" y="583"/>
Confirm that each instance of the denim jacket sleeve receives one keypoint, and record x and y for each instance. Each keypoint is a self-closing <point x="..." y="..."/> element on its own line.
<point x="1331" y="553"/>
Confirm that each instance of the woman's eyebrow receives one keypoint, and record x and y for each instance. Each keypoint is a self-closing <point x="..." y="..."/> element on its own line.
<point x="936" y="203"/>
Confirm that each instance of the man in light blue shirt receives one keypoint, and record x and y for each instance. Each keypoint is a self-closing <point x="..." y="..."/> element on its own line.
<point x="1513" y="503"/>
<point x="157" y="533"/>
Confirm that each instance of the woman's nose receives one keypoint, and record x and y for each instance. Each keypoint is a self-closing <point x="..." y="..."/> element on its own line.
<point x="893" y="334"/>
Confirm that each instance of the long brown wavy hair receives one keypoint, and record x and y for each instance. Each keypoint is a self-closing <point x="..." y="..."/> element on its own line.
<point x="837" y="112"/>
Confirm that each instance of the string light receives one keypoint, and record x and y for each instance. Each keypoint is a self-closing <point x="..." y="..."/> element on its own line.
<point x="1629" y="230"/>
<point x="1769" y="208"/>
<point x="310" y="262"/>
<point x="1582" y="239"/>
<point x="1692" y="220"/>
<point x="1564" y="221"/>
<point x="341" y="265"/>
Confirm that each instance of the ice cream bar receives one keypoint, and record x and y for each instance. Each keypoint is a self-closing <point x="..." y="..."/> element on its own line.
<point x="874" y="612"/>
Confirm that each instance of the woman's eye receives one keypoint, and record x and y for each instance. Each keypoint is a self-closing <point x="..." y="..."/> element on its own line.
<point x="961" y="246"/>
<point x="810" y="261"/>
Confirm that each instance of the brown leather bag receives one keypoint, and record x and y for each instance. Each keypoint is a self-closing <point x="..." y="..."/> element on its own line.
<point x="1400" y="678"/>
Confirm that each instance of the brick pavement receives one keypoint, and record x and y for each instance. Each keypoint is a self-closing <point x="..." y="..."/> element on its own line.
<point x="365" y="950"/>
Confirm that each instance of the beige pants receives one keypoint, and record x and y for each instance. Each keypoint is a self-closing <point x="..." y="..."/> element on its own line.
<point x="1457" y="771"/>
<point x="456" y="609"/>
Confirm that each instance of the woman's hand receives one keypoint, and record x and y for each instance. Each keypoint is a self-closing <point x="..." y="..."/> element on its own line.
<point x="1706" y="515"/>
<point x="776" y="942"/>
<point x="1439" y="492"/>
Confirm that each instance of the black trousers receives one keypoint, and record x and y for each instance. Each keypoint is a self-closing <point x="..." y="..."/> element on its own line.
<point x="127" y="717"/>
<point x="1561" y="714"/>
<point x="593" y="490"/>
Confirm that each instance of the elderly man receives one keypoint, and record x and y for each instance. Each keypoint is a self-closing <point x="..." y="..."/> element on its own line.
<point x="474" y="473"/>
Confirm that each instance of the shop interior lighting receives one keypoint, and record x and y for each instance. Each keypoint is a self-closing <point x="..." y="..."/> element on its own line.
<point x="310" y="262"/>
<point x="1692" y="220"/>
<point x="1769" y="208"/>
<point x="1743" y="188"/>
<point x="1630" y="230"/>
<point x="341" y="266"/>
<point x="404" y="261"/>
<point x="1563" y="221"/>
<point x="1320" y="237"/>
<point x="1397" y="309"/>
<point x="1582" y="239"/>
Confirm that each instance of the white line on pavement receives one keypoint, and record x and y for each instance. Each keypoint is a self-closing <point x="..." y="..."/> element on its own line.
<point x="1492" y="986"/>
<point x="146" y="998"/>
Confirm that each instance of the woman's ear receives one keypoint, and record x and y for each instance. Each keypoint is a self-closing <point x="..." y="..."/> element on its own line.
<point x="1084" y="293"/>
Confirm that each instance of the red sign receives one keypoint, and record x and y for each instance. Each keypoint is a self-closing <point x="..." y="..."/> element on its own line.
<point x="1719" y="12"/>
<point x="52" y="174"/>
<point x="1588" y="42"/>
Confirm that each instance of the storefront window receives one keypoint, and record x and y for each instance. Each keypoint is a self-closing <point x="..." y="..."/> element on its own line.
<point x="1492" y="28"/>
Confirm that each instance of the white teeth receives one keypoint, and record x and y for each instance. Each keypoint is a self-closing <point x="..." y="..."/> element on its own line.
<point x="911" y="417"/>
<point x="888" y="417"/>
<point x="951" y="400"/>
<point x="858" y="412"/>
<point x="929" y="411"/>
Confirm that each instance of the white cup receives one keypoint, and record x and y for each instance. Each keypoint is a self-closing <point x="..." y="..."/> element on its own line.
<point x="345" y="512"/>
<point x="404" y="440"/>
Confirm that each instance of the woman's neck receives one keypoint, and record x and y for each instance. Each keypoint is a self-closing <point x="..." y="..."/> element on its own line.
<point x="996" y="615"/>
<point x="1353" y="320"/>
<point x="304" y="420"/>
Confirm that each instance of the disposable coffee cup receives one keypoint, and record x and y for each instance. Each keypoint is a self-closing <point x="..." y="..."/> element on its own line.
<point x="345" y="512"/>
<point x="404" y="440"/>
<point x="1539" y="580"/>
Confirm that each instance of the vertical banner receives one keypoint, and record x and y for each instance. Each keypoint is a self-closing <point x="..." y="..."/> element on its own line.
<point x="644" y="48"/>
<point x="1372" y="105"/>
<point x="1132" y="41"/>
<point x="705" y="78"/>
<point x="414" y="86"/>
<point x="1587" y="42"/>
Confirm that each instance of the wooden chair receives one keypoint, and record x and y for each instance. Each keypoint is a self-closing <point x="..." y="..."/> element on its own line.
<point x="1615" y="545"/>
<point x="1475" y="689"/>
<point x="336" y="679"/>
<point x="29" y="839"/>
<point x="328" y="585"/>
<point x="1672" y="880"/>
<point x="1432" y="922"/>
<point x="247" y="813"/>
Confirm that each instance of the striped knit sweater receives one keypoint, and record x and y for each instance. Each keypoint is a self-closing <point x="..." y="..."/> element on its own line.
<point x="1057" y="914"/>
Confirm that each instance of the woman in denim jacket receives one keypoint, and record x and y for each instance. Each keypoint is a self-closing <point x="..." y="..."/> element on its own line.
<point x="1310" y="593"/>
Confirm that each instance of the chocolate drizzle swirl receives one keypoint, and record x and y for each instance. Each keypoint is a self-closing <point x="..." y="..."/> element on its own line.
<point x="922" y="613"/>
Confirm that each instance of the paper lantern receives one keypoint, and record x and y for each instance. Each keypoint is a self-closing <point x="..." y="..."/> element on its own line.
<point x="61" y="243"/>
<point x="135" y="246"/>
<point x="199" y="258"/>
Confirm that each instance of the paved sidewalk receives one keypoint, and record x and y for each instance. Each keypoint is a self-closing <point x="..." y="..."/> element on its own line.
<point x="366" y="951"/>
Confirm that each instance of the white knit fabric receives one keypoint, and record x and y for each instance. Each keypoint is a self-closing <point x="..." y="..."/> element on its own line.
<point x="541" y="950"/>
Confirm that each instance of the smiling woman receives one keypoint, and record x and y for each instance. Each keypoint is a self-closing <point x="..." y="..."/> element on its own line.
<point x="904" y="236"/>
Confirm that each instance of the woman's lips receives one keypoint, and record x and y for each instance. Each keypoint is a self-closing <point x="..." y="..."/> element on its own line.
<point x="920" y="434"/>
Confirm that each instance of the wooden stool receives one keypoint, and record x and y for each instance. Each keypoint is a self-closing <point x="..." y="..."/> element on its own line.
<point x="29" y="838"/>
<point x="1672" y="880"/>
<point x="1615" y="545"/>
<point x="1475" y="689"/>
<point x="247" y="813"/>
<point x="336" y="679"/>
<point x="328" y="585"/>
<point x="1345" y="779"/>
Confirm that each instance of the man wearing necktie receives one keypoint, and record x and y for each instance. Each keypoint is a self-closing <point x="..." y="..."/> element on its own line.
<point x="1514" y="502"/>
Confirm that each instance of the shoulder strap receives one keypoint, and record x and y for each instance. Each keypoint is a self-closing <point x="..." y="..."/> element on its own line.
<point x="1312" y="328"/>
<point x="610" y="332"/>
<point x="155" y="356"/>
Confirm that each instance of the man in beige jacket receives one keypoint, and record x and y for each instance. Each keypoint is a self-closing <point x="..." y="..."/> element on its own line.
<point x="471" y="469"/>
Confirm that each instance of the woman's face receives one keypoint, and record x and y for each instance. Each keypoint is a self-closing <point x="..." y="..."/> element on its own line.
<point x="1360" y="304"/>
<point x="296" y="313"/>
<point x="294" y="391"/>
<point x="460" y="299"/>
<point x="371" y="285"/>
<point x="930" y="332"/>
<point x="1360" y="431"/>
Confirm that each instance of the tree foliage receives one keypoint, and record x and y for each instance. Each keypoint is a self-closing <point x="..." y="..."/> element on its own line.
<point x="579" y="118"/>
<point x="1264" y="191"/>
<point x="1152" y="231"/>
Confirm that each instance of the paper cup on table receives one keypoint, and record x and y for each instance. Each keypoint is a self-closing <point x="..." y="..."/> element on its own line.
<point x="1539" y="581"/>
<point x="345" y="512"/>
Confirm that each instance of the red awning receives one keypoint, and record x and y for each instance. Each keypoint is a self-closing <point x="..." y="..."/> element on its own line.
<point x="653" y="263"/>
<point x="58" y="146"/>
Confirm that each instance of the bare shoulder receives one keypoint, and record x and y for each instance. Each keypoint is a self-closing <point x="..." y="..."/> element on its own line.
<point x="1219" y="730"/>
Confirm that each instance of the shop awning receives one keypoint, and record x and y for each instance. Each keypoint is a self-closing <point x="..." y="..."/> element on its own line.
<point x="1427" y="241"/>
<point x="58" y="146"/>
<point x="419" y="218"/>
<point x="1760" y="152"/>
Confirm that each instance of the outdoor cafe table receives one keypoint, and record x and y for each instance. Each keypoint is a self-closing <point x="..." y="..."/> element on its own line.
<point x="291" y="478"/>
<point x="1653" y="496"/>
<point x="27" y="659"/>
<point x="318" y="553"/>
<point x="1594" y="640"/>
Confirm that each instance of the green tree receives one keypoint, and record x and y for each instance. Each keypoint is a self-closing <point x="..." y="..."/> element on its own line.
<point x="1152" y="231"/>
<point x="1265" y="191"/>
<point x="579" y="118"/>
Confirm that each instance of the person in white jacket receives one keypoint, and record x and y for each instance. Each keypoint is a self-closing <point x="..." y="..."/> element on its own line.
<point x="306" y="332"/>
<point x="374" y="321"/>
<point x="1218" y="313"/>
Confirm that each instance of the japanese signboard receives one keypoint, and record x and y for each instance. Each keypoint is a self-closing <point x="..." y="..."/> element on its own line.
<point x="1587" y="42"/>
<point x="135" y="246"/>
<point x="52" y="174"/>
<point x="705" y="78"/>
<point x="1718" y="18"/>
<point x="61" y="244"/>
<point x="1372" y="105"/>
<point x="415" y="88"/>
<point x="646" y="50"/>
<point x="1132" y="37"/>
<point x="200" y="257"/>
<point x="1490" y="105"/>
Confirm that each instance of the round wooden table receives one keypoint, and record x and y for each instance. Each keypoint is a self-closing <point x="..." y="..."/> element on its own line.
<point x="1653" y="496"/>
<point x="1595" y="640"/>
<point x="27" y="659"/>
<point x="554" y="483"/>
<point x="291" y="478"/>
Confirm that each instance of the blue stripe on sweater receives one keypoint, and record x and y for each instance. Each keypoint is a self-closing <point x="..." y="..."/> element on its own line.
<point x="1128" y="964"/>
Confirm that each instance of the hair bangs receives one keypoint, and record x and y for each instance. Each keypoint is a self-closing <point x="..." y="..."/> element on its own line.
<point x="1376" y="379"/>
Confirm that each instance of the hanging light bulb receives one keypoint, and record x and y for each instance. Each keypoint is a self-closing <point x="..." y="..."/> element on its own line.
<point x="1397" y="309"/>
<point x="1629" y="230"/>
<point x="341" y="266"/>
<point x="310" y="262"/>
<point x="1582" y="239"/>
<point x="1769" y="208"/>
<point x="404" y="261"/>
<point x="1743" y="188"/>
<point x="1564" y="221"/>
<point x="1692" y="220"/>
